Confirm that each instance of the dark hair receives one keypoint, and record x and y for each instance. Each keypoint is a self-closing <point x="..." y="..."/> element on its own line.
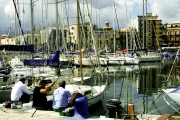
<point x="22" y="79"/>
<point x="42" y="82"/>
<point x="62" y="84"/>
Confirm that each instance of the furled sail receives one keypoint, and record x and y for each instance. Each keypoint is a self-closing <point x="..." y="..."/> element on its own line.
<point x="53" y="61"/>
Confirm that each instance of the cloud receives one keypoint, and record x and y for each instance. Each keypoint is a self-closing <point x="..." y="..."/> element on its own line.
<point x="9" y="10"/>
<point x="167" y="11"/>
<point x="100" y="11"/>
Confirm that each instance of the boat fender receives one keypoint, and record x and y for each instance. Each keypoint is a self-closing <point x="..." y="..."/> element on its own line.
<point x="81" y="107"/>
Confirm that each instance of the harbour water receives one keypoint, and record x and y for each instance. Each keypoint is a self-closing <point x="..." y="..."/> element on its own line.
<point x="140" y="85"/>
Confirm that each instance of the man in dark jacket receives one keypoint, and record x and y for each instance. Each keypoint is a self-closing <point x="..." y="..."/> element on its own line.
<point x="39" y="96"/>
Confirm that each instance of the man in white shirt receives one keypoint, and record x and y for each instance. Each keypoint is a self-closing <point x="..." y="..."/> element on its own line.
<point x="20" y="92"/>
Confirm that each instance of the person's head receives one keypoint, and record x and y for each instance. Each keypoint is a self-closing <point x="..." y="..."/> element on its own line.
<point x="22" y="79"/>
<point x="42" y="83"/>
<point x="62" y="84"/>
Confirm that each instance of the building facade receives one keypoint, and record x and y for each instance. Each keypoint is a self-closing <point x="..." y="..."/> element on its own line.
<point x="150" y="30"/>
<point x="102" y="38"/>
<point x="171" y="34"/>
<point x="48" y="42"/>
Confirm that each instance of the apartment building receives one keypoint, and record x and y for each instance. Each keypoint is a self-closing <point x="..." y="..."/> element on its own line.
<point x="102" y="38"/>
<point x="99" y="39"/>
<point x="150" y="33"/>
<point x="171" y="34"/>
<point x="49" y="42"/>
<point x="7" y="40"/>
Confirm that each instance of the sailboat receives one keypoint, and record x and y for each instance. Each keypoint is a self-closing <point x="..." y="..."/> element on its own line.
<point x="93" y="93"/>
<point x="53" y="62"/>
<point x="174" y="94"/>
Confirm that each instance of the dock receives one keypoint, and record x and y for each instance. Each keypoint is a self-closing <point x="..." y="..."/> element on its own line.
<point x="26" y="113"/>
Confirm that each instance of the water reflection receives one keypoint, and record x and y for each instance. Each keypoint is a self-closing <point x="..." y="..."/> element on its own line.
<point x="136" y="84"/>
<point x="140" y="86"/>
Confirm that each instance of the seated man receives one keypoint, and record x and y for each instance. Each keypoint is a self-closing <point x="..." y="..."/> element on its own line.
<point x="20" y="92"/>
<point x="60" y="97"/>
<point x="39" y="96"/>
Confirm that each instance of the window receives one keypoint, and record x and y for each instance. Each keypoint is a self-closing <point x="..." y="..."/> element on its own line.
<point x="72" y="28"/>
<point x="36" y="40"/>
<point x="106" y="41"/>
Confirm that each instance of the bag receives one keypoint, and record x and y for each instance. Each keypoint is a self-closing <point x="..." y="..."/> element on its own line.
<point x="7" y="104"/>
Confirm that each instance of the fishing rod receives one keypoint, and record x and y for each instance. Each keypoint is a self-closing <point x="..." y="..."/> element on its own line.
<point x="3" y="110"/>
<point x="48" y="92"/>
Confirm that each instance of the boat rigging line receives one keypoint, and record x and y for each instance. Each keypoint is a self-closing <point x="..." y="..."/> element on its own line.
<point x="121" y="89"/>
<point x="19" y="21"/>
<point x="167" y="78"/>
<point x="117" y="17"/>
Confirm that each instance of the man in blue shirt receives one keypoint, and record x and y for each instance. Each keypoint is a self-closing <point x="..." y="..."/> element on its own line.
<point x="60" y="97"/>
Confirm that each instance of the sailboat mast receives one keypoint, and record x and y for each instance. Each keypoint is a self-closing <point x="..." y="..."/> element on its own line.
<point x="143" y="24"/>
<point x="15" y="25"/>
<point x="114" y="36"/>
<point x="56" y="8"/>
<point x="79" y="41"/>
<point x="146" y="25"/>
<point x="126" y="31"/>
<point x="32" y="22"/>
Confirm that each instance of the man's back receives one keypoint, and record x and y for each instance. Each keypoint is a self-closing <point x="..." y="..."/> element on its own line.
<point x="39" y="99"/>
<point x="60" y="98"/>
<point x="17" y="91"/>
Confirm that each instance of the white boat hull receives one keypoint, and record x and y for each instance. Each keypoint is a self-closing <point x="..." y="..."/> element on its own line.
<point x="85" y="62"/>
<point x="116" y="61"/>
<point x="174" y="96"/>
<point x="103" y="61"/>
<point x="131" y="61"/>
<point x="90" y="62"/>
<point x="150" y="59"/>
<point x="93" y="93"/>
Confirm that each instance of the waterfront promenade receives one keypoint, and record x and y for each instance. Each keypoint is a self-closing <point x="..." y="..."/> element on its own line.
<point x="26" y="112"/>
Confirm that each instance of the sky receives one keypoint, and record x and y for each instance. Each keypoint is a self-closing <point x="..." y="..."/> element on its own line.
<point x="119" y="13"/>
